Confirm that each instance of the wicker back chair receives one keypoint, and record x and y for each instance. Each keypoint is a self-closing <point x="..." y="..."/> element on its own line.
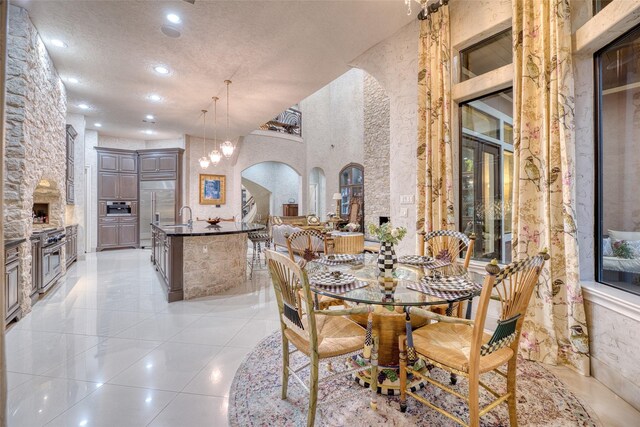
<point x="319" y="334"/>
<point x="306" y="243"/>
<point x="449" y="245"/>
<point x="461" y="346"/>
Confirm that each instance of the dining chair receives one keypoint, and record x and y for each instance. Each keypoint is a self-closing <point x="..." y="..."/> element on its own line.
<point x="307" y="244"/>
<point x="321" y="335"/>
<point x="449" y="245"/>
<point x="461" y="346"/>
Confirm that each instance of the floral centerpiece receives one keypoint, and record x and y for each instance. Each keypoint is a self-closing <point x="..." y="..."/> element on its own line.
<point x="388" y="236"/>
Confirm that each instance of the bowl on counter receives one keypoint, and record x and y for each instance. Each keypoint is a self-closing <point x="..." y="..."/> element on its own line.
<point x="213" y="221"/>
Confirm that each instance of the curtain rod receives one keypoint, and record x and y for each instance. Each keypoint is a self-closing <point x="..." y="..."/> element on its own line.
<point x="433" y="7"/>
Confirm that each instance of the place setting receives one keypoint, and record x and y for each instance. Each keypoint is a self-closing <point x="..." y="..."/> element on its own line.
<point x="336" y="281"/>
<point x="338" y="259"/>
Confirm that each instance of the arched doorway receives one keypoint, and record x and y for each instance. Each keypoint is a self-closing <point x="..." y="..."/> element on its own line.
<point x="351" y="188"/>
<point x="266" y="187"/>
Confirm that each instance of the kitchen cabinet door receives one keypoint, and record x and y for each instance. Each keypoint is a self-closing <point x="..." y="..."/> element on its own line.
<point x="108" y="162"/>
<point x="12" y="282"/>
<point x="128" y="234"/>
<point x="128" y="186"/>
<point x="108" y="235"/>
<point x="168" y="163"/>
<point x="108" y="186"/>
<point x="148" y="163"/>
<point x="128" y="163"/>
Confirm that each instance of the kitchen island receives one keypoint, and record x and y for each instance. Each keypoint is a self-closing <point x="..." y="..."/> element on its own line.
<point x="201" y="260"/>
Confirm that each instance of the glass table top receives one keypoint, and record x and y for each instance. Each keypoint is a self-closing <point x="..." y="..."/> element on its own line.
<point x="376" y="291"/>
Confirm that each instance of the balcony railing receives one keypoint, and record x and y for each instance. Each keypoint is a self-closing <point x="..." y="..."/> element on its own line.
<point x="289" y="121"/>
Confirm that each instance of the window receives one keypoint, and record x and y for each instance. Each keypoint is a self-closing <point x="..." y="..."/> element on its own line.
<point x="598" y="5"/>
<point x="488" y="55"/>
<point x="486" y="170"/>
<point x="618" y="163"/>
<point x="351" y="185"/>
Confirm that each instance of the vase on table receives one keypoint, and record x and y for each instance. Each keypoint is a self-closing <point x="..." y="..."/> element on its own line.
<point x="387" y="260"/>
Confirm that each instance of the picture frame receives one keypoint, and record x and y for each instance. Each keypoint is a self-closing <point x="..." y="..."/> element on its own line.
<point x="213" y="189"/>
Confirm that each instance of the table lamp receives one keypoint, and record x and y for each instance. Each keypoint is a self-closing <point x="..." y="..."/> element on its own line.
<point x="337" y="197"/>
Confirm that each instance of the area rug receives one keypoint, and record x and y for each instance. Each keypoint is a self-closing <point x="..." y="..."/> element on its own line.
<point x="254" y="400"/>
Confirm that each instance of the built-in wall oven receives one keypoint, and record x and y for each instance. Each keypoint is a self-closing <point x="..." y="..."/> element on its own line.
<point x="51" y="267"/>
<point x="118" y="208"/>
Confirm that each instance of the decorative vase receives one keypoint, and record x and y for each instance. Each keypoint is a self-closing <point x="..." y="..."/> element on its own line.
<point x="387" y="260"/>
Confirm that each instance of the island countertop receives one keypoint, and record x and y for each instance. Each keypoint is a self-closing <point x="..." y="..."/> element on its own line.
<point x="204" y="229"/>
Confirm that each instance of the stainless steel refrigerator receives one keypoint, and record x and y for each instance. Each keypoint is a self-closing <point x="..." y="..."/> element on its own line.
<point x="156" y="197"/>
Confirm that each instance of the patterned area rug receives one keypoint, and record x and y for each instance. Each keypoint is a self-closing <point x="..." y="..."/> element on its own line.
<point x="255" y="398"/>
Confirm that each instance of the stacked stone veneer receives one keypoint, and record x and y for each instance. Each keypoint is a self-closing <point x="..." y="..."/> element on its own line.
<point x="35" y="131"/>
<point x="223" y="267"/>
<point x="376" y="151"/>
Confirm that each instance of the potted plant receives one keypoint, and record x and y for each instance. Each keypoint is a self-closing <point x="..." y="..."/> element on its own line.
<point x="388" y="236"/>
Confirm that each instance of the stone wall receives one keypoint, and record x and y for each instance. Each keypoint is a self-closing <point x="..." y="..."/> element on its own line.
<point x="223" y="267"/>
<point x="376" y="151"/>
<point x="35" y="123"/>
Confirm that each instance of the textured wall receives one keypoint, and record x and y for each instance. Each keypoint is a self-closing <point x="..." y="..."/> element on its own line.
<point x="202" y="277"/>
<point x="394" y="64"/>
<point x="376" y="151"/>
<point x="35" y="122"/>
<point x="333" y="129"/>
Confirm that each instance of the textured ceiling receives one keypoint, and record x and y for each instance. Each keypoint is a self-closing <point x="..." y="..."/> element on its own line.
<point x="276" y="53"/>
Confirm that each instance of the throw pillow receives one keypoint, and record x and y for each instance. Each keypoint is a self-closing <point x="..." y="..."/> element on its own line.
<point x="622" y="250"/>
<point x="607" y="250"/>
<point x="634" y="245"/>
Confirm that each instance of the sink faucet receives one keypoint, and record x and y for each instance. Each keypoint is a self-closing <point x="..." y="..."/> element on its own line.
<point x="190" y="221"/>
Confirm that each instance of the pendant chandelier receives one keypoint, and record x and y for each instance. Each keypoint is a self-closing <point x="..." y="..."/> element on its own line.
<point x="227" y="147"/>
<point x="215" y="155"/>
<point x="204" y="160"/>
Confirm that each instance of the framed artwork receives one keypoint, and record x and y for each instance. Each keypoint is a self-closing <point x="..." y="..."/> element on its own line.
<point x="212" y="189"/>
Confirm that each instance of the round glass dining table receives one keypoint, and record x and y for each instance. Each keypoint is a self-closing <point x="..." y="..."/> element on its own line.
<point x="389" y="299"/>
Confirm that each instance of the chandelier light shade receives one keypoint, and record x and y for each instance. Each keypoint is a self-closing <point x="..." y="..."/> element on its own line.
<point x="215" y="155"/>
<point x="227" y="147"/>
<point x="204" y="160"/>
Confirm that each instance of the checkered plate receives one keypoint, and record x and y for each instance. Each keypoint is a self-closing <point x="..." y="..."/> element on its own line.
<point x="339" y="290"/>
<point x="336" y="259"/>
<point x="447" y="296"/>
<point x="448" y="283"/>
<point x="327" y="278"/>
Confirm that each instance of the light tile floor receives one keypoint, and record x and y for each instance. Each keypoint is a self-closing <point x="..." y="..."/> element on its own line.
<point x="105" y="349"/>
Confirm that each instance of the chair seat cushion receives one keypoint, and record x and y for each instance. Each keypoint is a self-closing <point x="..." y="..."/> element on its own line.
<point x="336" y="335"/>
<point x="450" y="344"/>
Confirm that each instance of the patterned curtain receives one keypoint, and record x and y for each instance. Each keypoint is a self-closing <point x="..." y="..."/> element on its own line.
<point x="435" y="160"/>
<point x="555" y="329"/>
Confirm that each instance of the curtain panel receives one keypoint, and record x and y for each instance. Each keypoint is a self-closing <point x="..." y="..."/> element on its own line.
<point x="555" y="329"/>
<point x="435" y="207"/>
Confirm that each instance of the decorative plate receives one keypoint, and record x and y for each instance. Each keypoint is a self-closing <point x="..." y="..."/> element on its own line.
<point x="415" y="260"/>
<point x="449" y="283"/>
<point x="313" y="220"/>
<point x="336" y="259"/>
<point x="331" y="278"/>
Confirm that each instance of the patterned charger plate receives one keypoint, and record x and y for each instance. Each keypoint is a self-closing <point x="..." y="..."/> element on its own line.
<point x="336" y="259"/>
<point x="415" y="260"/>
<point x="328" y="278"/>
<point x="448" y="283"/>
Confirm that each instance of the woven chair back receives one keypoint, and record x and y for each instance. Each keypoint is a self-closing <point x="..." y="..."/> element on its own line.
<point x="289" y="282"/>
<point x="306" y="243"/>
<point x="449" y="245"/>
<point x="512" y="287"/>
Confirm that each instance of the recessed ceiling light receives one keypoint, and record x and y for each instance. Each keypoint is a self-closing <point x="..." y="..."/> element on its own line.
<point x="148" y="132"/>
<point x="149" y="117"/>
<point x="72" y="80"/>
<point x="155" y="97"/>
<point x="161" y="69"/>
<point x="58" y="43"/>
<point x="98" y="125"/>
<point x="173" y="18"/>
<point x="83" y="106"/>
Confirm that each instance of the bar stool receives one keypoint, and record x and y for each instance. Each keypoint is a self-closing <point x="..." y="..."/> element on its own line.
<point x="258" y="238"/>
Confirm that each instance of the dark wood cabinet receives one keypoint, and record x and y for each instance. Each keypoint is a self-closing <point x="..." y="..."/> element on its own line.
<point x="107" y="234"/>
<point x="35" y="268"/>
<point x="71" y="136"/>
<point x="128" y="234"/>
<point x="71" y="244"/>
<point x="13" y="295"/>
<point x="290" y="209"/>
<point x="128" y="163"/>
<point x="107" y="162"/>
